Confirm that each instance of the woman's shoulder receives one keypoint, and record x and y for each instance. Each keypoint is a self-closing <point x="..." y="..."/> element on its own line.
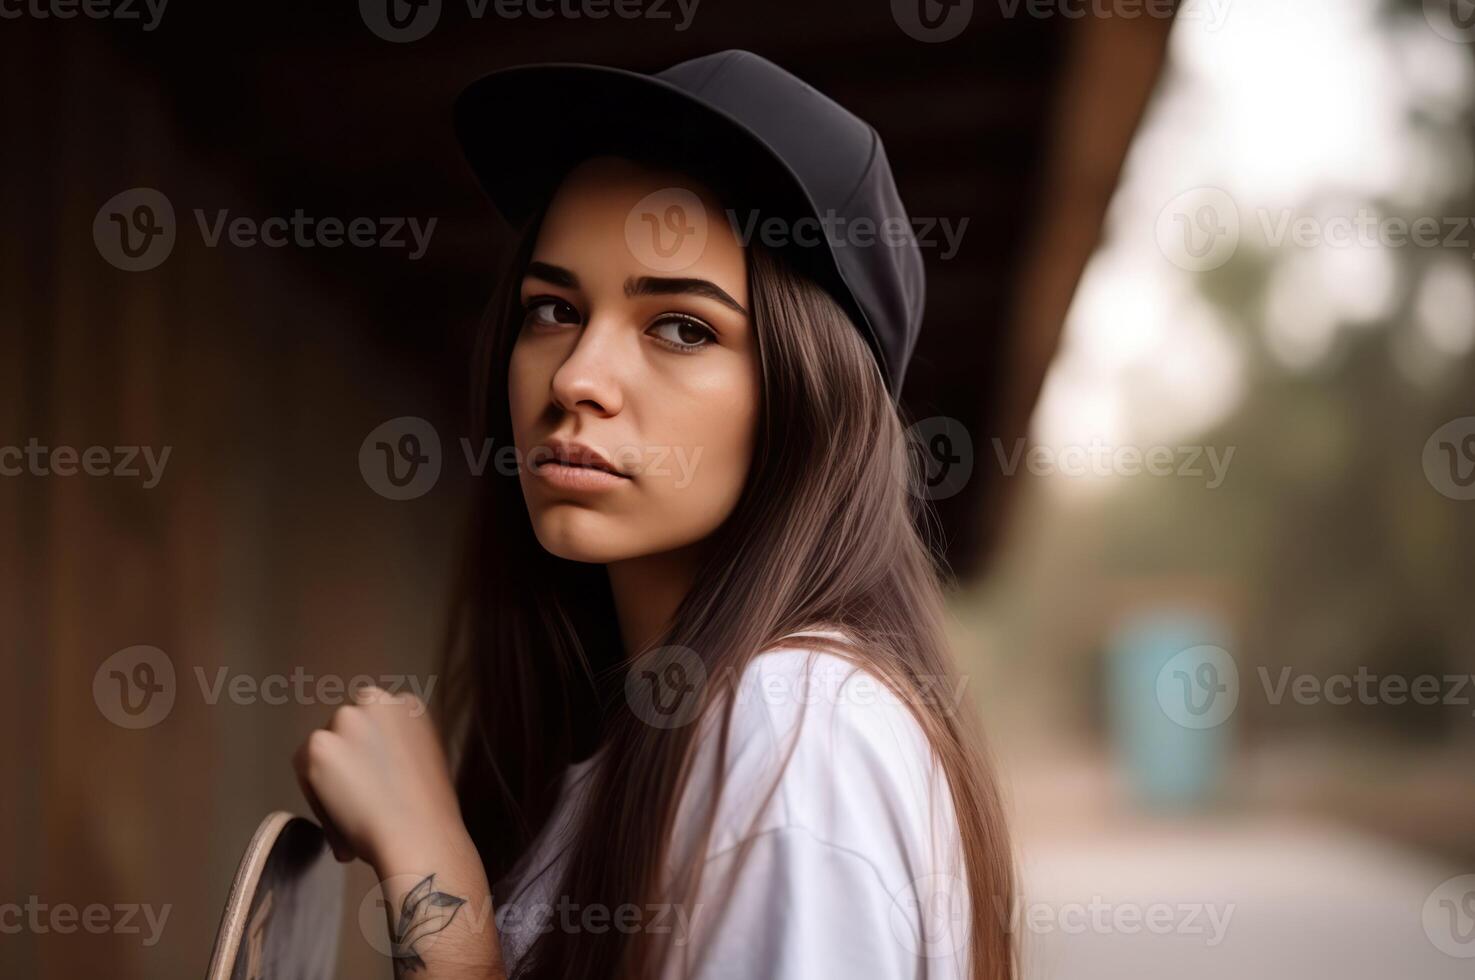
<point x="821" y="745"/>
<point x="828" y="701"/>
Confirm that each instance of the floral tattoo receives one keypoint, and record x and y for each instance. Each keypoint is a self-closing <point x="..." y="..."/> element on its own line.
<point x="424" y="912"/>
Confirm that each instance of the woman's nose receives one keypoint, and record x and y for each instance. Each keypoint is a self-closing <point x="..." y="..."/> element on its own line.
<point x="594" y="375"/>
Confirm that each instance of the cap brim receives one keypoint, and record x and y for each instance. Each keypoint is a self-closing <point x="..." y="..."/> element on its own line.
<point x="522" y="128"/>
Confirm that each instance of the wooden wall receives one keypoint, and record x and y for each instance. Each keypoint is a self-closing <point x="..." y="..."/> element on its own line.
<point x="261" y="548"/>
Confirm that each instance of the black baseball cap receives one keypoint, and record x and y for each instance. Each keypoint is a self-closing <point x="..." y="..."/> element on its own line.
<point x="767" y="141"/>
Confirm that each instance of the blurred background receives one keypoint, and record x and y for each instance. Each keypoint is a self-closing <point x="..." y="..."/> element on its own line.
<point x="1200" y="354"/>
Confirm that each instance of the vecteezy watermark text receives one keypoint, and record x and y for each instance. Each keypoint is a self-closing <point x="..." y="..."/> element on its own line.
<point x="35" y="459"/>
<point x="1201" y="229"/>
<point x="930" y="916"/>
<point x="1102" y="459"/>
<point x="135" y="230"/>
<point x="1366" y="688"/>
<point x="401" y="459"/>
<point x="665" y="687"/>
<point x="1102" y="918"/>
<point x="668" y="229"/>
<point x="562" y="914"/>
<point x="135" y="687"/>
<point x="839" y="231"/>
<point x="1200" y="687"/>
<point x="149" y="12"/>
<point x="301" y="687"/>
<point x="64" y="918"/>
<point x="310" y="232"/>
<point x="1212" y="13"/>
<point x="567" y="916"/>
<point x="402" y="21"/>
<point x="935" y="21"/>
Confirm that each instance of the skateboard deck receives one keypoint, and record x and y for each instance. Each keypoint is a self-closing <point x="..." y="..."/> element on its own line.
<point x="281" y="919"/>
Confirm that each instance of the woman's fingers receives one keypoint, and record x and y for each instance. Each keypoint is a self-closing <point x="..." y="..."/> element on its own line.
<point x="341" y="849"/>
<point x="376" y="775"/>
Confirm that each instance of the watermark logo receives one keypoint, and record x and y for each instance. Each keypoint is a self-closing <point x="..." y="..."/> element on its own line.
<point x="400" y="459"/>
<point x="664" y="686"/>
<point x="400" y="21"/>
<point x="940" y="454"/>
<point x="667" y="229"/>
<point x="1199" y="687"/>
<point x="1453" y="20"/>
<point x="134" y="688"/>
<point x="929" y="916"/>
<point x="932" y="21"/>
<point x="1449" y="459"/>
<point x="1449" y="917"/>
<point x="1199" y="229"/>
<point x="841" y="684"/>
<point x="422" y="914"/>
<point x="134" y="230"/>
<point x="302" y="687"/>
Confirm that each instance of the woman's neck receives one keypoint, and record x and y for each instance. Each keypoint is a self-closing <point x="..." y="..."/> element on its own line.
<point x="647" y="591"/>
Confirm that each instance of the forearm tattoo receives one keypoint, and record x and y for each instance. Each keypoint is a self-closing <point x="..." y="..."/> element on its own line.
<point x="423" y="913"/>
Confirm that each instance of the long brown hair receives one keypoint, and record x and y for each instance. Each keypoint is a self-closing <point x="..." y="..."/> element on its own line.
<point x="828" y="531"/>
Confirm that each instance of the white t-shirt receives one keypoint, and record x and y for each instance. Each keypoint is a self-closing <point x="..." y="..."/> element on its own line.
<point x="854" y="869"/>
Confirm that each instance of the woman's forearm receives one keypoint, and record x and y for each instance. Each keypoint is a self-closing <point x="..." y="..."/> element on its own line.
<point x="378" y="780"/>
<point x="441" y="922"/>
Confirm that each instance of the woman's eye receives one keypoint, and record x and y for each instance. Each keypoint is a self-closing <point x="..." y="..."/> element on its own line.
<point x="549" y="311"/>
<point x="683" y="333"/>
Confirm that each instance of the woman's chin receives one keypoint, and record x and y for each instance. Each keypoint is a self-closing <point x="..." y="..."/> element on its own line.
<point x="577" y="534"/>
<point x="581" y="534"/>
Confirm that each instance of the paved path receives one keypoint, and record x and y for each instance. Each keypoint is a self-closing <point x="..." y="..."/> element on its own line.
<point x="1250" y="900"/>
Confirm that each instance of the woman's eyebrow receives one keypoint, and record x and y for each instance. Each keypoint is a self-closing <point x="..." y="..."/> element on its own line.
<point x="555" y="274"/>
<point x="657" y="286"/>
<point x="644" y="286"/>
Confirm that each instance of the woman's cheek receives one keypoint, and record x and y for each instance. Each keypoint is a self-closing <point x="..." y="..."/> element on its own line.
<point x="528" y="380"/>
<point x="707" y="465"/>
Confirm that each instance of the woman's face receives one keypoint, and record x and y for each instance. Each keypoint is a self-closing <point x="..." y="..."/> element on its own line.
<point x="637" y="344"/>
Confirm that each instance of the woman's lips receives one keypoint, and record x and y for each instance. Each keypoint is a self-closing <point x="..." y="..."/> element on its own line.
<point x="573" y="477"/>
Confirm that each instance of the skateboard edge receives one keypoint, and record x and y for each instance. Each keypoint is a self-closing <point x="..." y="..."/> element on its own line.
<point x="242" y="887"/>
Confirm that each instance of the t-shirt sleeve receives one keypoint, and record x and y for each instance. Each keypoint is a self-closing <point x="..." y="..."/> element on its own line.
<point x="800" y="908"/>
<point x="850" y="868"/>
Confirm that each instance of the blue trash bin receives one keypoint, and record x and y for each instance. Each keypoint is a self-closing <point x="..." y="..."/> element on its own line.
<point x="1172" y="688"/>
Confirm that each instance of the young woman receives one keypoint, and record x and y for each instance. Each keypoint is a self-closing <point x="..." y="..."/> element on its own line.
<point x="704" y="719"/>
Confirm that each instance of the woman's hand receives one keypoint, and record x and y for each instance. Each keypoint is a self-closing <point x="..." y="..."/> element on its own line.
<point x="378" y="781"/>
